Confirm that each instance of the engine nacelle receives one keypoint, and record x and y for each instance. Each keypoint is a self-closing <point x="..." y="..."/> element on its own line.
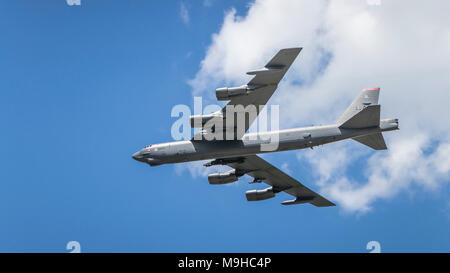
<point x="226" y="93"/>
<point x="258" y="195"/>
<point x="223" y="178"/>
<point x="198" y="121"/>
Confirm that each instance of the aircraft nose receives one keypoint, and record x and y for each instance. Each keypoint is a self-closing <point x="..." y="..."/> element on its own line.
<point x="136" y="156"/>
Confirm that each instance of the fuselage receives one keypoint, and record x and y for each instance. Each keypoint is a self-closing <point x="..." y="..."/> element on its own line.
<point x="253" y="143"/>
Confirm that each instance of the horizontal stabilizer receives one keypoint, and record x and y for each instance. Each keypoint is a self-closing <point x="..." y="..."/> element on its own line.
<point x="365" y="118"/>
<point x="374" y="141"/>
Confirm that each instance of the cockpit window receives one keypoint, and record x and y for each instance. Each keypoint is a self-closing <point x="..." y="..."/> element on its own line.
<point x="147" y="147"/>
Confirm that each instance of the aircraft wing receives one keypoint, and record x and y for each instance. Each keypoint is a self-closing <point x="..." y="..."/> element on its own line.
<point x="262" y="170"/>
<point x="261" y="87"/>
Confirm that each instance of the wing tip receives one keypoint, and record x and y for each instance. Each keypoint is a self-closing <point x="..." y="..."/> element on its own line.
<point x="292" y="49"/>
<point x="323" y="203"/>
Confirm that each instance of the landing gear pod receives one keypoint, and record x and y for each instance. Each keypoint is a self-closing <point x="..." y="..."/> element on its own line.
<point x="258" y="195"/>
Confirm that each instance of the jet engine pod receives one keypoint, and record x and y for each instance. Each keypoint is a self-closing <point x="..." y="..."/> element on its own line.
<point x="222" y="178"/>
<point x="258" y="195"/>
<point x="198" y="121"/>
<point x="226" y="93"/>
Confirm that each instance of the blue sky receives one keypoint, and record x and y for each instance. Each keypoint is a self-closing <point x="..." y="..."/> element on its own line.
<point x="84" y="87"/>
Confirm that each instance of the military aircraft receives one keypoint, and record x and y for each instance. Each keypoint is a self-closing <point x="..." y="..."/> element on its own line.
<point x="360" y="122"/>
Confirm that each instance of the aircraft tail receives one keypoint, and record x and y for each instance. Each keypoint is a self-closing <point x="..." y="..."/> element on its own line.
<point x="374" y="141"/>
<point x="364" y="112"/>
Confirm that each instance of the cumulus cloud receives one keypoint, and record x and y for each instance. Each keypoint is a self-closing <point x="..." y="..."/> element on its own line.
<point x="410" y="161"/>
<point x="402" y="46"/>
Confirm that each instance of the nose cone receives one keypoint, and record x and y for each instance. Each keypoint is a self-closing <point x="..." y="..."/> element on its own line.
<point x="136" y="156"/>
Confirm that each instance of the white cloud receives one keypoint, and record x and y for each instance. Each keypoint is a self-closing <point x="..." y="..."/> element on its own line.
<point x="184" y="13"/>
<point x="387" y="173"/>
<point x="285" y="168"/>
<point x="402" y="46"/>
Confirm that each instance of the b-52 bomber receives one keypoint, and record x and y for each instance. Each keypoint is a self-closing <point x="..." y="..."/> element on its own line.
<point x="238" y="149"/>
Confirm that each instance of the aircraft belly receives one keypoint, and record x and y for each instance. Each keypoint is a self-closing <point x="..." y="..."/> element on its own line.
<point x="185" y="151"/>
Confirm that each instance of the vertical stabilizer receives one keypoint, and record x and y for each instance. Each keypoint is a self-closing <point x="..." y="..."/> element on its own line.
<point x="368" y="96"/>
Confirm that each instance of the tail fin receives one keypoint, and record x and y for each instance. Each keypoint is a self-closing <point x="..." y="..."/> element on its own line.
<point x="364" y="112"/>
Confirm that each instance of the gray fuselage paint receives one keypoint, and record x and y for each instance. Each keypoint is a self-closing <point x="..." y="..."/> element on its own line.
<point x="251" y="143"/>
